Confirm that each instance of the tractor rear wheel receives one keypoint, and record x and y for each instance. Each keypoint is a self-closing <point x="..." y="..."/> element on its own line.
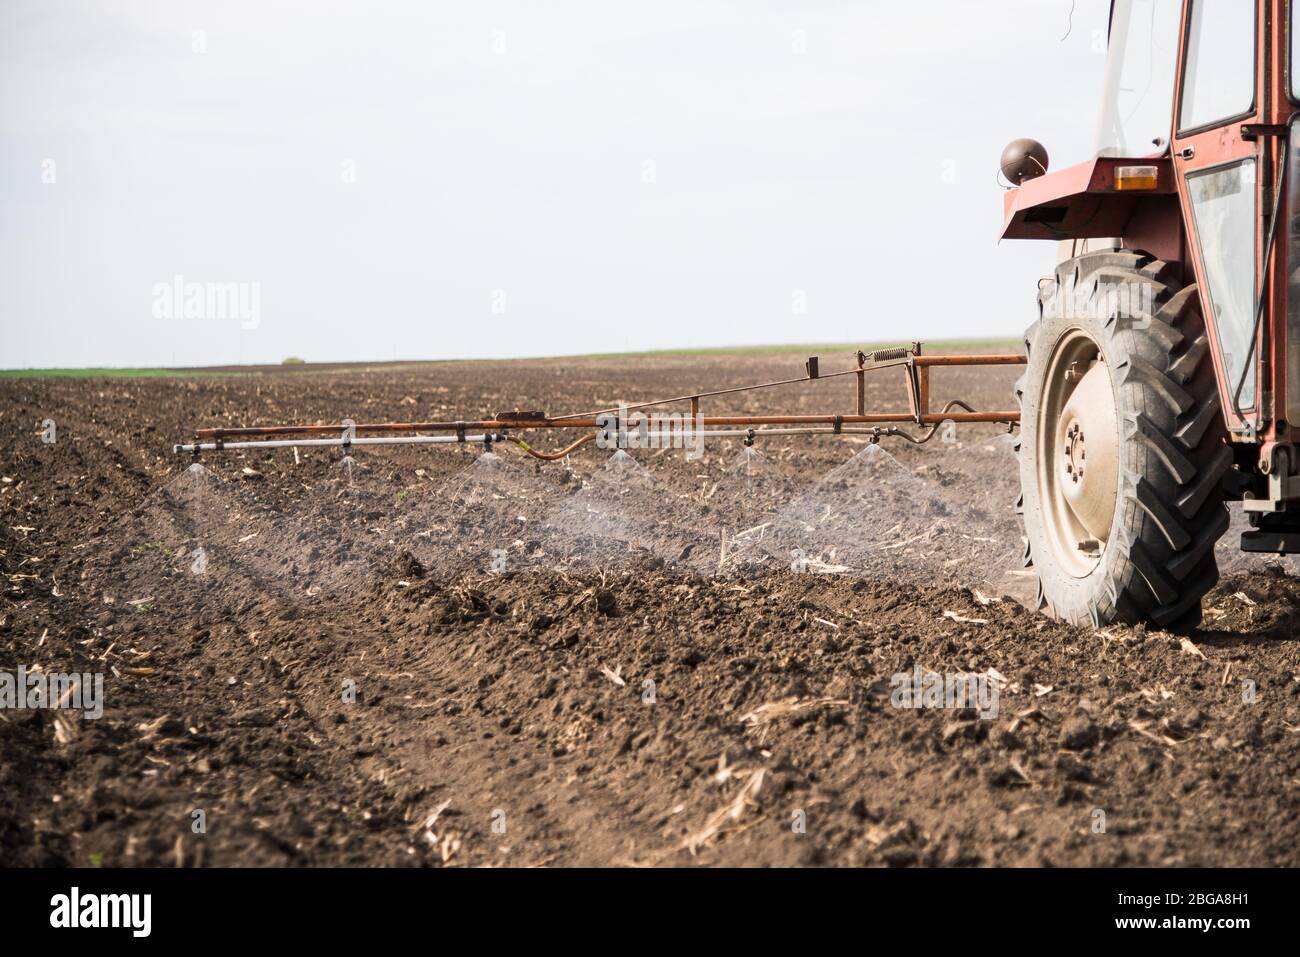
<point x="1121" y="446"/>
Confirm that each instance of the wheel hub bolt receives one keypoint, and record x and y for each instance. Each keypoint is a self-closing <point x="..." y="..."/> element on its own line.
<point x="1074" y="451"/>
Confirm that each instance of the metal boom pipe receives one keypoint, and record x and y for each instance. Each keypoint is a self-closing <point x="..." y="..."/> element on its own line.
<point x="910" y="361"/>
<point x="489" y="425"/>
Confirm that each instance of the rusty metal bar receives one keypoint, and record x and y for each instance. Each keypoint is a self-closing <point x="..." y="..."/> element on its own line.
<point x="990" y="360"/>
<point x="915" y="366"/>
<point x="336" y="442"/>
<point x="923" y="387"/>
<point x="490" y="425"/>
<point x="997" y="359"/>
<point x="862" y="384"/>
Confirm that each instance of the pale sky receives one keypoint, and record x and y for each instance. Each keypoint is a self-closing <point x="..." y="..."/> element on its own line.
<point x="489" y="179"/>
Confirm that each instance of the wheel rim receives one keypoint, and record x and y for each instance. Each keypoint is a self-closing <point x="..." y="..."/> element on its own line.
<point x="1078" y="454"/>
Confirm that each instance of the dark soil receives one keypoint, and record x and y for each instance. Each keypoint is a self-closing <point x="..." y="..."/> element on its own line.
<point x="568" y="664"/>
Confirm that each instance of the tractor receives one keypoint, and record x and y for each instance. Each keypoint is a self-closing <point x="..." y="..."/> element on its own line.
<point x="1163" y="369"/>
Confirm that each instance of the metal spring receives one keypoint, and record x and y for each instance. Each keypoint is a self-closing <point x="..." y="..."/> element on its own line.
<point x="884" y="355"/>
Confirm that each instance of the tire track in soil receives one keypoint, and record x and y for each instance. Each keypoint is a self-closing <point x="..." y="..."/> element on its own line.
<point x="263" y="732"/>
<point x="202" y="601"/>
<point x="464" y="751"/>
<point x="210" y="598"/>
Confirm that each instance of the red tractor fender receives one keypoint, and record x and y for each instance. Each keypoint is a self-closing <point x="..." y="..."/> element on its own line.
<point x="1084" y="202"/>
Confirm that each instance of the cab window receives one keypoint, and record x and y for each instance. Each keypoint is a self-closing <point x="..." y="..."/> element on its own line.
<point x="1219" y="73"/>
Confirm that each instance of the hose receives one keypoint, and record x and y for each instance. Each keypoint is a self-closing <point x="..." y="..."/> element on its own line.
<point x="552" y="456"/>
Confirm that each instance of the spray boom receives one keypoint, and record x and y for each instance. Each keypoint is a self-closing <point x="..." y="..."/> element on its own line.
<point x="625" y="419"/>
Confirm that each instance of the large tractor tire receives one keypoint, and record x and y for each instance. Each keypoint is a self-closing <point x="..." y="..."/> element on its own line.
<point x="1121" y="447"/>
